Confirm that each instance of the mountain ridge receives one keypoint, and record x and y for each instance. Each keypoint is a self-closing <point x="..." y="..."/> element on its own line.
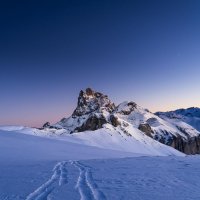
<point x="96" y="111"/>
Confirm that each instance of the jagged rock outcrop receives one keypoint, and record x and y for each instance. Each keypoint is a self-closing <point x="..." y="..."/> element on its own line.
<point x="92" y="123"/>
<point x="46" y="125"/>
<point x="92" y="112"/>
<point x="146" y="128"/>
<point x="192" y="146"/>
<point x="91" y="101"/>
<point x="114" y="121"/>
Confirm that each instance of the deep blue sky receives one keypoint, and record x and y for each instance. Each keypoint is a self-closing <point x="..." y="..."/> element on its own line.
<point x="145" y="51"/>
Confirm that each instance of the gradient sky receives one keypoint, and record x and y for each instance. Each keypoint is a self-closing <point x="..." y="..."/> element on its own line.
<point x="145" y="51"/>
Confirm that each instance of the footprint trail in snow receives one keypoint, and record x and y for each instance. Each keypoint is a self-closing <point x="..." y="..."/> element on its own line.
<point x="58" y="178"/>
<point x="86" y="186"/>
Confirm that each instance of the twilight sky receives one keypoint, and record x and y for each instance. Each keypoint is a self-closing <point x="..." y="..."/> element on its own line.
<point x="145" y="51"/>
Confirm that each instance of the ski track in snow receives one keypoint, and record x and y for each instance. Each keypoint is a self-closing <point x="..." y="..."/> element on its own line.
<point x="5" y="197"/>
<point x="60" y="176"/>
<point x="86" y="186"/>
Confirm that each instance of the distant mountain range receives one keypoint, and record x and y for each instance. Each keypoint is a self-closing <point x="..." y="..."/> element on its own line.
<point x="190" y="116"/>
<point x="96" y="112"/>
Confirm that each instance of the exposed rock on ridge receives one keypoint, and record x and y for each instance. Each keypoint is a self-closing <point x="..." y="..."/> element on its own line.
<point x="91" y="101"/>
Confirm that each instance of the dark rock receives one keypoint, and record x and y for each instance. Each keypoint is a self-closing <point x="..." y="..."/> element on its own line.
<point x="89" y="92"/>
<point x="46" y="125"/>
<point x="192" y="146"/>
<point x="188" y="146"/>
<point x="132" y="104"/>
<point x="178" y="143"/>
<point x="146" y="128"/>
<point x="92" y="123"/>
<point x="114" y="121"/>
<point x="91" y="101"/>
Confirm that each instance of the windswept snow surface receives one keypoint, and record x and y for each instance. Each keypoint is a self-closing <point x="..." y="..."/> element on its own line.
<point x="39" y="168"/>
<point x="107" y="138"/>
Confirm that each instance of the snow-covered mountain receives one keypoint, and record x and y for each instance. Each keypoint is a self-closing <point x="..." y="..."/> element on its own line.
<point x="190" y="116"/>
<point x="96" y="116"/>
<point x="179" y="135"/>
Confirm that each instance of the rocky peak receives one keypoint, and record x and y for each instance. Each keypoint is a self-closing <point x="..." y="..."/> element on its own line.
<point x="90" y="101"/>
<point x="89" y="92"/>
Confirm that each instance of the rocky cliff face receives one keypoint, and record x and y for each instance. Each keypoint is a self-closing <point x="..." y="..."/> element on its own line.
<point x="187" y="121"/>
<point x="94" y="111"/>
<point x="90" y="101"/>
<point x="146" y="128"/>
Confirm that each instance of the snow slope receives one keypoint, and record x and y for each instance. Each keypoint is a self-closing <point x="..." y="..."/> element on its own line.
<point x="107" y="138"/>
<point x="41" y="168"/>
<point x="160" y="126"/>
<point x="17" y="147"/>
